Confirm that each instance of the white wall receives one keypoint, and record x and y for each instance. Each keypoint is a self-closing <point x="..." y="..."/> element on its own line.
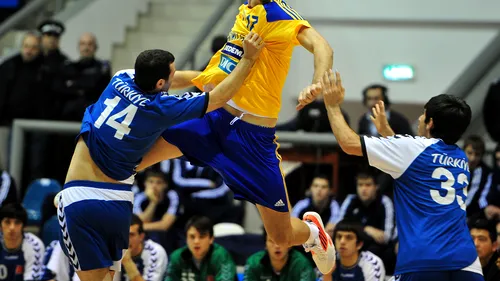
<point x="107" y="19"/>
<point x="438" y="42"/>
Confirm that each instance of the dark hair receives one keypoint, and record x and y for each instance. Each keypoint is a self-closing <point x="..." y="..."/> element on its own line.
<point x="382" y="88"/>
<point x="14" y="211"/>
<point x="202" y="224"/>
<point x="476" y="142"/>
<point x="266" y="2"/>
<point x="137" y="220"/>
<point x="350" y="225"/>
<point x="366" y="173"/>
<point x="451" y="117"/>
<point x="154" y="173"/>
<point x="484" y="224"/>
<point x="151" y="66"/>
<point x="324" y="177"/>
<point x="218" y="42"/>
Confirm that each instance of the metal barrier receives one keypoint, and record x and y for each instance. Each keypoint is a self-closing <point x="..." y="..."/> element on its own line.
<point x="21" y="126"/>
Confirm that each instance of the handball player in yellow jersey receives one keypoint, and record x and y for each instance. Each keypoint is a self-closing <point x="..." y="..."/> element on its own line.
<point x="239" y="140"/>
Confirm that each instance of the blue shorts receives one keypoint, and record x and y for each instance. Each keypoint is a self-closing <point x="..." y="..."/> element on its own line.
<point x="245" y="155"/>
<point x="95" y="222"/>
<point x="455" y="275"/>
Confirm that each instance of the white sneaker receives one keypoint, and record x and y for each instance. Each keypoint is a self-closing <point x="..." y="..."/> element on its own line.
<point x="323" y="250"/>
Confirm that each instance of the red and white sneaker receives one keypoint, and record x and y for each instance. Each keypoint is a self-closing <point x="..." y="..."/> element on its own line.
<point x="323" y="250"/>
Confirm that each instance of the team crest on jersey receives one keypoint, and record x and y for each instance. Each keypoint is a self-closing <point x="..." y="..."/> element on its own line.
<point x="233" y="50"/>
<point x="227" y="64"/>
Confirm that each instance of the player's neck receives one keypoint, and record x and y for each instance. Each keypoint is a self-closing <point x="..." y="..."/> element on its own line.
<point x="349" y="261"/>
<point x="138" y="251"/>
<point x="14" y="244"/>
<point x="320" y="205"/>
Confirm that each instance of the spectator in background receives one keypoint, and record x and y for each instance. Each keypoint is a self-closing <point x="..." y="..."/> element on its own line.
<point x="398" y="122"/>
<point x="158" y="207"/>
<point x="144" y="260"/>
<point x="20" y="80"/>
<point x="202" y="259"/>
<point x="483" y="234"/>
<point x="51" y="31"/>
<point x="82" y="81"/>
<point x="319" y="201"/>
<point x="21" y="253"/>
<point x="376" y="214"/>
<point x="353" y="263"/>
<point x="278" y="264"/>
<point x="8" y="189"/>
<point x="480" y="179"/>
<point x="312" y="118"/>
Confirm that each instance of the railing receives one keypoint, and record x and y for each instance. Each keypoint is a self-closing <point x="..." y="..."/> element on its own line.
<point x="189" y="55"/>
<point x="21" y="126"/>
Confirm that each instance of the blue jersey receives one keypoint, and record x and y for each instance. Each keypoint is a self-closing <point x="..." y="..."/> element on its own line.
<point x="369" y="267"/>
<point x="126" y="121"/>
<point x="430" y="191"/>
<point x="24" y="263"/>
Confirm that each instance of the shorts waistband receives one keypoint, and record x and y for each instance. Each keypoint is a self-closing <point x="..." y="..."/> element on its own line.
<point x="245" y="125"/>
<point x="102" y="185"/>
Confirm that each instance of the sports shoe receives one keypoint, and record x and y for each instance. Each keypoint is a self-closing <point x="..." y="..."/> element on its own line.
<point x="322" y="250"/>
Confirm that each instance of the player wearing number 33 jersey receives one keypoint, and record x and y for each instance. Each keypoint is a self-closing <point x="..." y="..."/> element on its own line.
<point x="431" y="175"/>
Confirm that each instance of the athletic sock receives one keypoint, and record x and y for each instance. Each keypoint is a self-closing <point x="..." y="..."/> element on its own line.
<point x="313" y="234"/>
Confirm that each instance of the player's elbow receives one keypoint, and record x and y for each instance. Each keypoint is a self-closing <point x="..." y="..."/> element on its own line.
<point x="323" y="48"/>
<point x="351" y="148"/>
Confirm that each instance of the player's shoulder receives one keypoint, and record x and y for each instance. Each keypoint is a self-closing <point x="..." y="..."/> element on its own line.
<point x="125" y="73"/>
<point x="279" y="10"/>
<point x="369" y="259"/>
<point x="32" y="244"/>
<point x="255" y="259"/>
<point x="153" y="249"/>
<point x="219" y="252"/>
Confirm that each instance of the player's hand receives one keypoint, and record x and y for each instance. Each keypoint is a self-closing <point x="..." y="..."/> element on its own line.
<point x="498" y="263"/>
<point x="333" y="91"/>
<point x="252" y="45"/>
<point x="376" y="234"/>
<point x="378" y="116"/>
<point x="308" y="95"/>
<point x="151" y="195"/>
<point x="127" y="256"/>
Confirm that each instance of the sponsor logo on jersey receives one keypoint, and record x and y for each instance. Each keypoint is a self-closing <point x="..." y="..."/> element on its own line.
<point x="233" y="50"/>
<point x="227" y="64"/>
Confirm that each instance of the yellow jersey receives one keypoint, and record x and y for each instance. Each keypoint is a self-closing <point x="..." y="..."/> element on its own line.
<point x="278" y="24"/>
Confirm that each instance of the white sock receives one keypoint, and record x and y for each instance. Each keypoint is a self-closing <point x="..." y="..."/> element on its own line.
<point x="313" y="234"/>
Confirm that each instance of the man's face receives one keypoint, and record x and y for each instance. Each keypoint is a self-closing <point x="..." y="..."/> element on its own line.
<point x="87" y="46"/>
<point x="366" y="188"/>
<point x="484" y="246"/>
<point x="50" y="42"/>
<point x="276" y="253"/>
<point x="12" y="229"/>
<point x="198" y="244"/>
<point x="135" y="240"/>
<point x="345" y="243"/>
<point x="30" y="48"/>
<point x="372" y="97"/>
<point x="320" y="189"/>
<point x="498" y="235"/>
<point x="473" y="156"/>
<point x="156" y="184"/>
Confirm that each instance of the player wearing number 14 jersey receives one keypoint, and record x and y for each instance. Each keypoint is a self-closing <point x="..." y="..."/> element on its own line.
<point x="431" y="176"/>
<point x="95" y="206"/>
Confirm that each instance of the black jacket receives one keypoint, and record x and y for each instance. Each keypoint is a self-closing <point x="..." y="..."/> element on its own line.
<point x="399" y="124"/>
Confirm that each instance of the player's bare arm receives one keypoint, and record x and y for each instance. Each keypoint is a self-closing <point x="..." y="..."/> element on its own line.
<point x="182" y="78"/>
<point x="333" y="93"/>
<point x="222" y="93"/>
<point x="312" y="41"/>
<point x="380" y="121"/>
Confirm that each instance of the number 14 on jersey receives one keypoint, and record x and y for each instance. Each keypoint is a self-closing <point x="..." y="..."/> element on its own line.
<point x="122" y="128"/>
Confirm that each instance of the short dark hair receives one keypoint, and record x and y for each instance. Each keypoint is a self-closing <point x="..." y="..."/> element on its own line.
<point x="136" y="220"/>
<point x="484" y="224"/>
<point x="202" y="224"/>
<point x="218" y="42"/>
<point x="14" y="211"/>
<point x="350" y="225"/>
<point x="154" y="173"/>
<point x="451" y="116"/>
<point x="323" y="177"/>
<point x="382" y="88"/>
<point x="476" y="142"/>
<point x="366" y="173"/>
<point x="151" y="66"/>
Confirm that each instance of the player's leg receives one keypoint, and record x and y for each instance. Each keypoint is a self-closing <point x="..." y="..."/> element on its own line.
<point x="95" y="221"/>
